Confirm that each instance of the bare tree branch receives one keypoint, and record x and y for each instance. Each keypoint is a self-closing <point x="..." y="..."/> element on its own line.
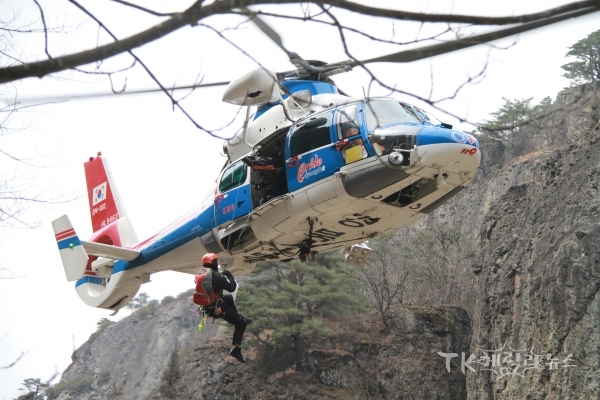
<point x="154" y="78"/>
<point x="198" y="11"/>
<point x="12" y="364"/>
<point x="156" y="14"/>
<point x="45" y="28"/>
<point x="468" y="19"/>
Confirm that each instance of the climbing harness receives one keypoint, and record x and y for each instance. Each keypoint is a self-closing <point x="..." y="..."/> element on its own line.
<point x="201" y="311"/>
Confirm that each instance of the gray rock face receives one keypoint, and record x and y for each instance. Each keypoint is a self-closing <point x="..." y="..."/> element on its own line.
<point x="136" y="350"/>
<point x="540" y="276"/>
<point x="538" y="267"/>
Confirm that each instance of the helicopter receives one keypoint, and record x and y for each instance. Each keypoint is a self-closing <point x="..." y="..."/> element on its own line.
<point x="312" y="170"/>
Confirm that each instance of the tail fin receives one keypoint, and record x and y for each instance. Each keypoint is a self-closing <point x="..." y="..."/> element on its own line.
<point x="109" y="219"/>
<point x="72" y="253"/>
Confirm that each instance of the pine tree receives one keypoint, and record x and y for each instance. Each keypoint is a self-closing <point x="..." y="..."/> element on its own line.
<point x="521" y="126"/>
<point x="587" y="52"/>
<point x="33" y="389"/>
<point x="508" y="120"/>
<point x="291" y="301"/>
<point x="138" y="302"/>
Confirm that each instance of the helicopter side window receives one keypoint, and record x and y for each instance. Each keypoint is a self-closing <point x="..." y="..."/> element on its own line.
<point x="310" y="136"/>
<point x="347" y="122"/>
<point x="233" y="177"/>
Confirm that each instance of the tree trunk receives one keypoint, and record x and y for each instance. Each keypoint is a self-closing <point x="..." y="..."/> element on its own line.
<point x="297" y="340"/>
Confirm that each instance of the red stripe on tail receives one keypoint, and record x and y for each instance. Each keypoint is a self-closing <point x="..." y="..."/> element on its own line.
<point x="65" y="234"/>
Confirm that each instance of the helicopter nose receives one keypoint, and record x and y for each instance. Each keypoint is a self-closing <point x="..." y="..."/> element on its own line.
<point x="452" y="151"/>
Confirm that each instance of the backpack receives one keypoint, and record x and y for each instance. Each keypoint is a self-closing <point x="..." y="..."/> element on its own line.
<point x="204" y="295"/>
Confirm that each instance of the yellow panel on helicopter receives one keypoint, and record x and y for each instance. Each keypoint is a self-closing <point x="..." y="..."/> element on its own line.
<point x="353" y="154"/>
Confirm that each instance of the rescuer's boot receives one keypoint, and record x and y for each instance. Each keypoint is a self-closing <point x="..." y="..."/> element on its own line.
<point x="248" y="321"/>
<point x="236" y="353"/>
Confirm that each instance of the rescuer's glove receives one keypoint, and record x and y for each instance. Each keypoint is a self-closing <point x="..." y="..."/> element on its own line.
<point x="228" y="274"/>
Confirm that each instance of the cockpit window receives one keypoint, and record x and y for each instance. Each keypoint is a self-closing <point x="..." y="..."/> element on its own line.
<point x="414" y="111"/>
<point x="381" y="113"/>
<point x="233" y="177"/>
<point x="429" y="117"/>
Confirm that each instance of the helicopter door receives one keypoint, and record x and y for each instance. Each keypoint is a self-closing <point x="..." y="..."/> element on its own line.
<point x="350" y="141"/>
<point x="233" y="196"/>
<point x="310" y="152"/>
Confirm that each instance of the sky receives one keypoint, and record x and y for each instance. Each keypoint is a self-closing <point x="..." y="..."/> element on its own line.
<point x="163" y="165"/>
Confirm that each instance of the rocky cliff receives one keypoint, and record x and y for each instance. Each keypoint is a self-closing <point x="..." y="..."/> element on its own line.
<point x="538" y="271"/>
<point x="359" y="362"/>
<point x="127" y="359"/>
<point x="155" y="354"/>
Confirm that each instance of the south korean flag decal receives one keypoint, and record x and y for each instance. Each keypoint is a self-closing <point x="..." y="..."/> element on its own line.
<point x="99" y="194"/>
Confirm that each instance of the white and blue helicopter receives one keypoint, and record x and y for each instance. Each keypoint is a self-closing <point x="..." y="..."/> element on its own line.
<point x="311" y="171"/>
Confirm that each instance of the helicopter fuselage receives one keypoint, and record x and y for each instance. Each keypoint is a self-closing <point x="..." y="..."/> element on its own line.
<point x="334" y="178"/>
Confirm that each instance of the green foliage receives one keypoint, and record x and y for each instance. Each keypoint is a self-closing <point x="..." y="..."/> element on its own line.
<point x="508" y="120"/>
<point x="148" y="309"/>
<point x="292" y="300"/>
<point x="33" y="389"/>
<point x="52" y="393"/>
<point x="103" y="377"/>
<point x="102" y="324"/>
<point x="138" y="302"/>
<point x="167" y="300"/>
<point x="170" y="376"/>
<point x="522" y="127"/>
<point x="587" y="66"/>
<point x="82" y="384"/>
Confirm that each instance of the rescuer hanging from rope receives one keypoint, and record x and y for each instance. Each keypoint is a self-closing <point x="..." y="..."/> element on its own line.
<point x="209" y="294"/>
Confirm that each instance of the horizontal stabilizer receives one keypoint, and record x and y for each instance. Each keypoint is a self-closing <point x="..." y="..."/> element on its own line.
<point x="72" y="253"/>
<point x="114" y="252"/>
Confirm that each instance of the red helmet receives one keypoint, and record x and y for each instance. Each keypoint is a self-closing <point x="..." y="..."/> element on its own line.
<point x="209" y="258"/>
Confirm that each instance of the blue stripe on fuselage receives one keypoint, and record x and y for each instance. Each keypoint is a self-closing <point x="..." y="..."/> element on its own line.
<point x="66" y="243"/>
<point x="180" y="236"/>
<point x="433" y="135"/>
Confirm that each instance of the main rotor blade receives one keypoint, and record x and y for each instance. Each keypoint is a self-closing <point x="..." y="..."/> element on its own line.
<point x="267" y="30"/>
<point x="50" y="99"/>
<point x="442" y="48"/>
